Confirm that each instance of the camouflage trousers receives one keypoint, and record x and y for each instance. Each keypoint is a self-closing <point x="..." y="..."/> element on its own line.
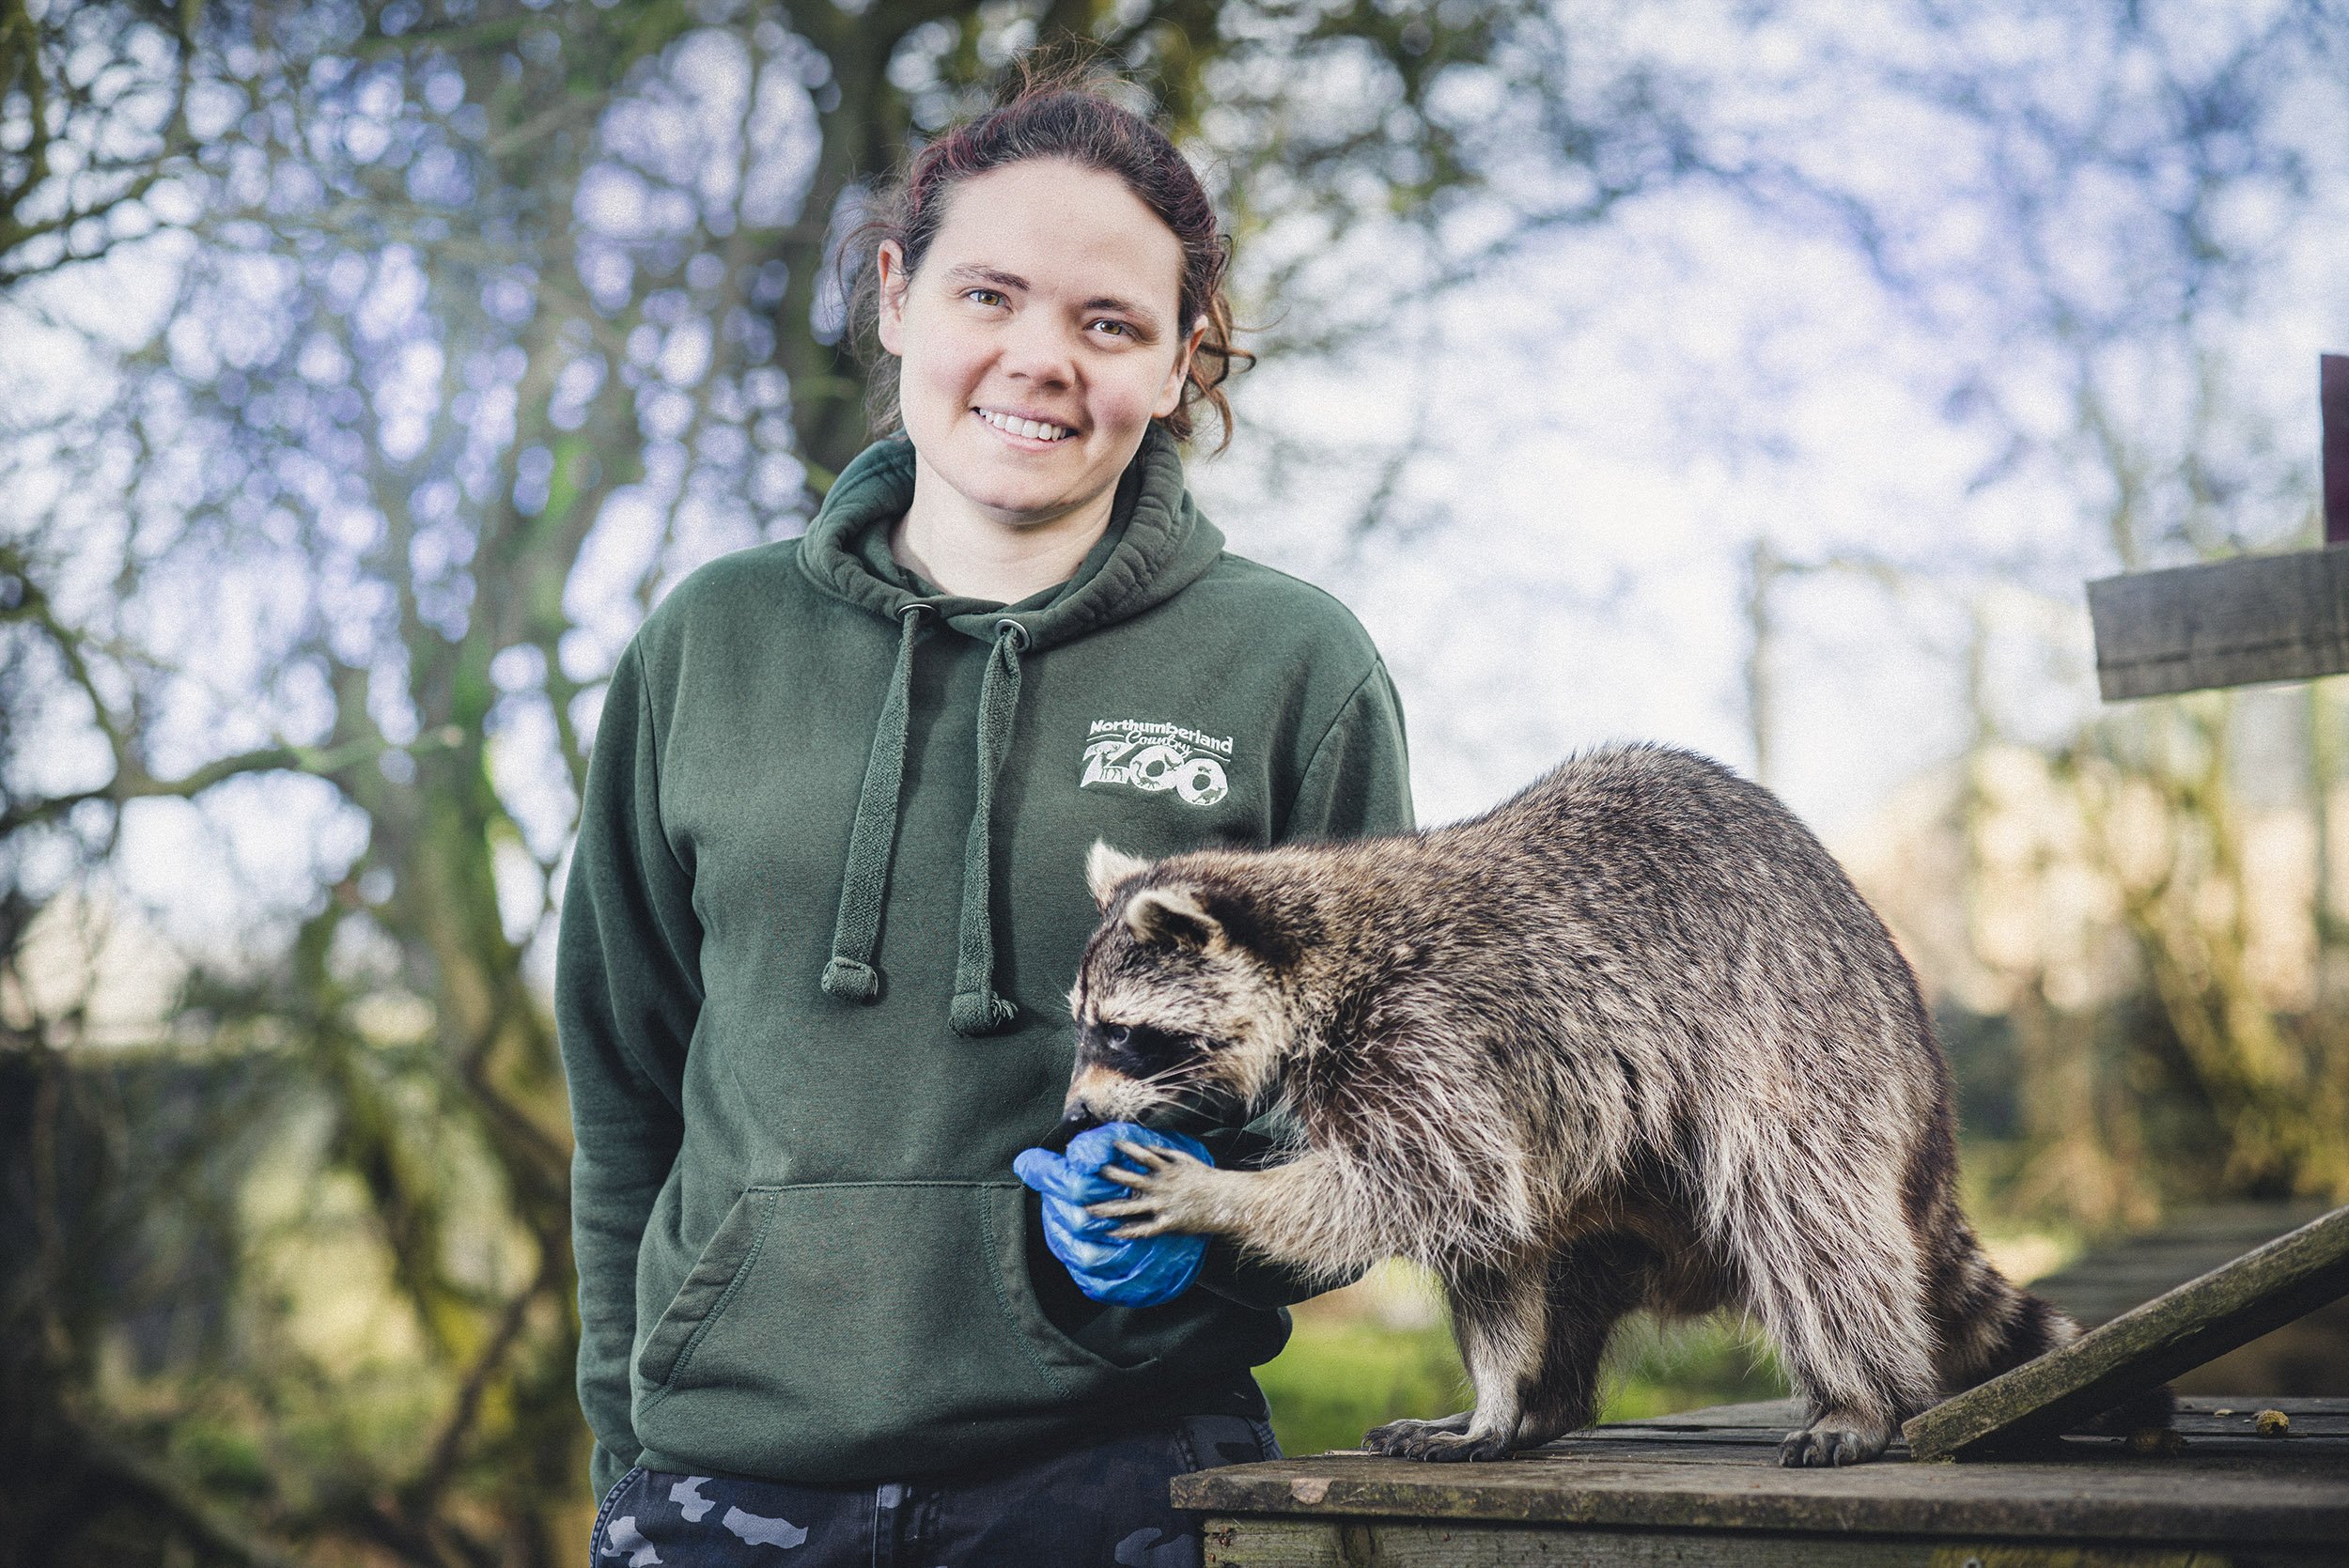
<point x="1101" y="1506"/>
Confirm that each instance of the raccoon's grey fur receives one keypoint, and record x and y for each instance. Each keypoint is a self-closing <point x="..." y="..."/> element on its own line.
<point x="1631" y="1039"/>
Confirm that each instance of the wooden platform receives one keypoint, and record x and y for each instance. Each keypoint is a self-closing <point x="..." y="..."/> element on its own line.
<point x="1705" y="1490"/>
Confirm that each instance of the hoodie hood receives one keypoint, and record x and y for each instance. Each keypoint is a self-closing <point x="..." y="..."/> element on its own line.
<point x="1156" y="545"/>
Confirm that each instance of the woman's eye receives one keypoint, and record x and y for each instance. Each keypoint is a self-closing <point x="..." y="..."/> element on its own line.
<point x="983" y="296"/>
<point x="1122" y="329"/>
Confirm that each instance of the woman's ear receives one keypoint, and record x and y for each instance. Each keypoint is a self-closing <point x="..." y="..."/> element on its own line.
<point x="1171" y="395"/>
<point x="890" y="260"/>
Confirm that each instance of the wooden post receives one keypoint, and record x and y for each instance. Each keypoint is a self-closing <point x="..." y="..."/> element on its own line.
<point x="2333" y="396"/>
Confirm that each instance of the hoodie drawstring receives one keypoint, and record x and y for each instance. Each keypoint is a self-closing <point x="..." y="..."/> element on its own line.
<point x="977" y="1009"/>
<point x="851" y="975"/>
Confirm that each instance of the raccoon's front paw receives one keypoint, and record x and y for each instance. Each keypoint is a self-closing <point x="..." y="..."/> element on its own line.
<point x="1173" y="1192"/>
<point x="1440" y="1442"/>
<point x="1395" y="1437"/>
<point x="1838" y="1438"/>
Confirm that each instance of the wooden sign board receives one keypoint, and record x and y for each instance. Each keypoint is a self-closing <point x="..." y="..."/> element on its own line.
<point x="2230" y="623"/>
<point x="2241" y="622"/>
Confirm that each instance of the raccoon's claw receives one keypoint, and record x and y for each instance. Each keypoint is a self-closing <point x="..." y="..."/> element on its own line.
<point x="1436" y="1439"/>
<point x="1167" y="1194"/>
<point x="1152" y="1159"/>
<point x="1454" y="1448"/>
<point x="1397" y="1438"/>
<point x="1151" y="1224"/>
<point x="1451" y="1440"/>
<point x="1823" y="1446"/>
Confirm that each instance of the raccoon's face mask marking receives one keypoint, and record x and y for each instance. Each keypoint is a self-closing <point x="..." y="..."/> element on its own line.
<point x="1177" y="993"/>
<point x="1126" y="1071"/>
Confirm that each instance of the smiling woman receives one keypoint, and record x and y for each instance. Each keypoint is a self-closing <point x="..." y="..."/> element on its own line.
<point x="1035" y="345"/>
<point x="829" y="888"/>
<point x="1052" y="272"/>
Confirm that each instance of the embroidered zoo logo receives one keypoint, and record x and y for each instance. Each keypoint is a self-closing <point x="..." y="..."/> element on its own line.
<point x="1155" y="758"/>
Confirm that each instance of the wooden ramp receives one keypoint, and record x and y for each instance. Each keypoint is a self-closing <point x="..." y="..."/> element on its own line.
<point x="1705" y="1490"/>
<point x="2145" y="1347"/>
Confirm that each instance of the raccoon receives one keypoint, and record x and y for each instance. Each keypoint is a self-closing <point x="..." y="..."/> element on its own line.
<point x="1629" y="1040"/>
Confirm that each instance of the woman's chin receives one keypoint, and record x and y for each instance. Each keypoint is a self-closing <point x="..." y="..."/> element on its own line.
<point x="1020" y="497"/>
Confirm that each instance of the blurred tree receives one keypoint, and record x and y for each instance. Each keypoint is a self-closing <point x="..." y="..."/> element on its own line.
<point x="463" y="328"/>
<point x="97" y="117"/>
<point x="2140" y="179"/>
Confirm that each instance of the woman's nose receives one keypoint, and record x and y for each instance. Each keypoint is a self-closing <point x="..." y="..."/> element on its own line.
<point x="1041" y="350"/>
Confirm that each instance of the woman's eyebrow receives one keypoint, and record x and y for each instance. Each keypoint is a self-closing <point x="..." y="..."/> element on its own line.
<point x="1141" y="313"/>
<point x="970" y="272"/>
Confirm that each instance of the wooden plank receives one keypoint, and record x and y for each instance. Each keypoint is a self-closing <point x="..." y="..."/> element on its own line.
<point x="2145" y="1347"/>
<point x="2229" y="623"/>
<point x="2130" y="1270"/>
<point x="1240" y="1542"/>
<point x="2228" y="1488"/>
<point x="2333" y="398"/>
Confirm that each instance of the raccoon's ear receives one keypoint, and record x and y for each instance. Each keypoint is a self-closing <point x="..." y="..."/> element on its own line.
<point x="1170" y="917"/>
<point x="1108" y="869"/>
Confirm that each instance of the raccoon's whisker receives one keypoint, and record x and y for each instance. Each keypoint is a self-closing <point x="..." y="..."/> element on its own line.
<point x="1178" y="1076"/>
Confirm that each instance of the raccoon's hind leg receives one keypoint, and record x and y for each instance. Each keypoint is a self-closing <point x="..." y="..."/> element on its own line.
<point x="1834" y="1279"/>
<point x="1497" y="1321"/>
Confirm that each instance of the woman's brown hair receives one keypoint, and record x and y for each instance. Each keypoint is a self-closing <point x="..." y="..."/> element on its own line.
<point x="1058" y="111"/>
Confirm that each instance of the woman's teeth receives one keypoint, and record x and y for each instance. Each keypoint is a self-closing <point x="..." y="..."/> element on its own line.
<point x="1032" y="429"/>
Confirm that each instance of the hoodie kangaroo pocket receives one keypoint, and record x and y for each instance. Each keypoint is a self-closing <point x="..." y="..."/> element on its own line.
<point x="850" y="1315"/>
<point x="732" y="1250"/>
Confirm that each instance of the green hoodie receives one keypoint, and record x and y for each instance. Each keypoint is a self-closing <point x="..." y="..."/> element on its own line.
<point x="826" y="901"/>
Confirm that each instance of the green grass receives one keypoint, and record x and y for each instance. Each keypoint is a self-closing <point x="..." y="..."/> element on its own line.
<point x="1340" y="1376"/>
<point x="1345" y="1373"/>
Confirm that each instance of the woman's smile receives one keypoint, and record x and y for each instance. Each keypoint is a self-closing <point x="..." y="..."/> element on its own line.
<point x="1024" y="433"/>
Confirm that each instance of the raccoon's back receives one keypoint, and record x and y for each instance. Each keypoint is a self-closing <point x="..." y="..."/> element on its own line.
<point x="1653" y="868"/>
<point x="1631" y="817"/>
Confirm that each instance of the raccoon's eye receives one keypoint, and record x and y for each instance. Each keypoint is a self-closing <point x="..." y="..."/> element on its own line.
<point x="1118" y="1036"/>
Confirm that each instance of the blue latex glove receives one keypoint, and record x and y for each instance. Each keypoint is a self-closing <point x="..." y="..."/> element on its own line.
<point x="1141" y="1271"/>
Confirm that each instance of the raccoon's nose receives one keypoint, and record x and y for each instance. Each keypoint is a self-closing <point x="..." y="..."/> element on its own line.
<point x="1072" y="1124"/>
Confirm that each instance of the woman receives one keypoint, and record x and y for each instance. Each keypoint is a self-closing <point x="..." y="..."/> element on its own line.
<point x="829" y="892"/>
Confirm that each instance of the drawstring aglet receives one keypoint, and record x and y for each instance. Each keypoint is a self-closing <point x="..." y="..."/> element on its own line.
<point x="845" y="980"/>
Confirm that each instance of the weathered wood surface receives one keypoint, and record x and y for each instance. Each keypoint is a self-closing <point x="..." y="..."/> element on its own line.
<point x="1392" y="1543"/>
<point x="2229" y="623"/>
<point x="1697" y="1479"/>
<point x="2142" y="1348"/>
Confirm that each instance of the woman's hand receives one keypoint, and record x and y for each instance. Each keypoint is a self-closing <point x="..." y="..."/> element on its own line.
<point x="1125" y="1271"/>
